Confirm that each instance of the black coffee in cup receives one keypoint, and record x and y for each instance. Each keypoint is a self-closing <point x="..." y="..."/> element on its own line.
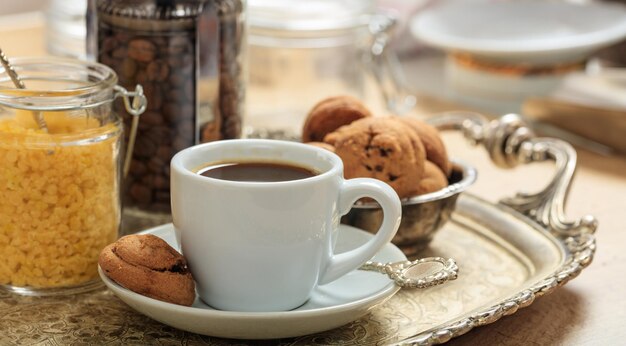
<point x="256" y="171"/>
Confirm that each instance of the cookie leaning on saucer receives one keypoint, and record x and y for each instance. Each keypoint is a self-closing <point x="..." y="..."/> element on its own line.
<point x="147" y="265"/>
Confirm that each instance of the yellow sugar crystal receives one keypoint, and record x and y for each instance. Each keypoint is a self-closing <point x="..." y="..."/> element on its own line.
<point x="60" y="201"/>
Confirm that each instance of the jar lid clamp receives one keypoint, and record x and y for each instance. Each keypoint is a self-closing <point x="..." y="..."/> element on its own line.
<point x="135" y="108"/>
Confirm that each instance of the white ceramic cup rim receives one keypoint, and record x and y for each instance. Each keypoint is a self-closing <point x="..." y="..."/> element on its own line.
<point x="180" y="161"/>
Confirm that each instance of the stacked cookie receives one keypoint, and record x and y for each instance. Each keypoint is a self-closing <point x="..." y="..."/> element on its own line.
<point x="404" y="152"/>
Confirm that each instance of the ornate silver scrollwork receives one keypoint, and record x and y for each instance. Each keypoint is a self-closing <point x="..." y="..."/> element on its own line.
<point x="421" y="273"/>
<point x="509" y="143"/>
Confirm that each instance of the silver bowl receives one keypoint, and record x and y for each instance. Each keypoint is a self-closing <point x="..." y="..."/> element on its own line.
<point x="422" y="215"/>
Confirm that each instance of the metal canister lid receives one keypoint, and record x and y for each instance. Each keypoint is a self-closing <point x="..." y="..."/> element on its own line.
<point x="151" y="9"/>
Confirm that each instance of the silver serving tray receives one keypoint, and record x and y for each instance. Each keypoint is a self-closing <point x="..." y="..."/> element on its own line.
<point x="508" y="254"/>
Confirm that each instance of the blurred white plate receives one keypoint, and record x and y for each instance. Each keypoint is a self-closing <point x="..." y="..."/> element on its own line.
<point x="522" y="30"/>
<point x="335" y="304"/>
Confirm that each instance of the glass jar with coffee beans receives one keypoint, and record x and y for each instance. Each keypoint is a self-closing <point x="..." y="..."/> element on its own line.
<point x="188" y="55"/>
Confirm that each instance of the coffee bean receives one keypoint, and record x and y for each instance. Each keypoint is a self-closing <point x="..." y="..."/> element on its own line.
<point x="137" y="167"/>
<point x="164" y="152"/>
<point x="141" y="78"/>
<point x="129" y="67"/>
<point x="158" y="71"/>
<point x="148" y="179"/>
<point x="151" y="118"/>
<point x="154" y="95"/>
<point x="156" y="164"/>
<point x="144" y="146"/>
<point x="108" y="44"/>
<point x="160" y="182"/>
<point x="170" y="111"/>
<point x="140" y="193"/>
<point x="142" y="126"/>
<point x="141" y="50"/>
<point x="119" y="52"/>
<point x="108" y="60"/>
<point x="159" y="41"/>
<point x="158" y="134"/>
<point x="122" y="36"/>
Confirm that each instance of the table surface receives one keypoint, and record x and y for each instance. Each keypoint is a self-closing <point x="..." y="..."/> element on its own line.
<point x="590" y="309"/>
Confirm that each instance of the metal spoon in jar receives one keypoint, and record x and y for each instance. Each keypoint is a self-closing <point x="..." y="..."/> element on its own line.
<point x="20" y="85"/>
<point x="421" y="273"/>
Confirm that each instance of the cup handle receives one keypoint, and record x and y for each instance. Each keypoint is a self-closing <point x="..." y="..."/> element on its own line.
<point x="350" y="192"/>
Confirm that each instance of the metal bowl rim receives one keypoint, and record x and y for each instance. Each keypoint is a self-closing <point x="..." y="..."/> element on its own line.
<point x="469" y="177"/>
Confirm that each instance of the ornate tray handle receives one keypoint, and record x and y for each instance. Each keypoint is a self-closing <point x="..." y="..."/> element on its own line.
<point x="509" y="143"/>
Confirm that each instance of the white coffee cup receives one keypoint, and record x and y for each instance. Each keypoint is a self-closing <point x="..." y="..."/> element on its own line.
<point x="264" y="246"/>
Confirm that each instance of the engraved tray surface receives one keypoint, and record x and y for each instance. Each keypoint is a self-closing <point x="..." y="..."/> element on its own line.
<point x="505" y="259"/>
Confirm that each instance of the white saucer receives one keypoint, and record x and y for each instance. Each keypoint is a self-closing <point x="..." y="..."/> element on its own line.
<point x="522" y="30"/>
<point x="332" y="305"/>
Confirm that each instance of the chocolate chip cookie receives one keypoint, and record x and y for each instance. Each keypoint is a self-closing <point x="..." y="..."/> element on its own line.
<point x="435" y="149"/>
<point x="432" y="180"/>
<point x="330" y="114"/>
<point x="381" y="148"/>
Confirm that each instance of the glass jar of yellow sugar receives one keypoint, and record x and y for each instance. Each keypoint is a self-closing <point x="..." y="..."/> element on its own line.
<point x="60" y="173"/>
